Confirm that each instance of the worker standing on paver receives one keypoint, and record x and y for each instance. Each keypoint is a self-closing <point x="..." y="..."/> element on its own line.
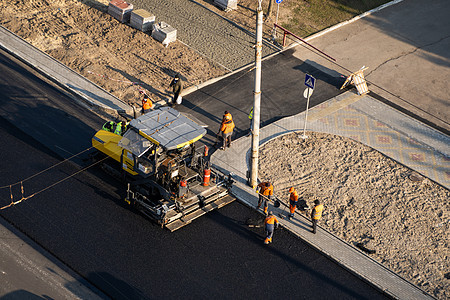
<point x="316" y="214"/>
<point x="293" y="200"/>
<point x="121" y="127"/>
<point x="226" y="128"/>
<point x="177" y="87"/>
<point x="146" y="103"/>
<point x="265" y="194"/>
<point x="271" y="222"/>
<point x="109" y="126"/>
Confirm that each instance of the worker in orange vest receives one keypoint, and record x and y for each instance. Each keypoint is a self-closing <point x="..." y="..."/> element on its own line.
<point x="293" y="200"/>
<point x="265" y="194"/>
<point x="226" y="128"/>
<point x="146" y="104"/>
<point x="316" y="214"/>
<point x="271" y="222"/>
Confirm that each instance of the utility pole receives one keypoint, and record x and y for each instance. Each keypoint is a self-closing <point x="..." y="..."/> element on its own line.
<point x="257" y="97"/>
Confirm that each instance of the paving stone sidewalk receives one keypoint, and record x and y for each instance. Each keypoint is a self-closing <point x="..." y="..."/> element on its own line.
<point x="206" y="32"/>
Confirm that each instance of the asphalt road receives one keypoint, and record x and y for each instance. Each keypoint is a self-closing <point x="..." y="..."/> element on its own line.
<point x="84" y="223"/>
<point x="281" y="95"/>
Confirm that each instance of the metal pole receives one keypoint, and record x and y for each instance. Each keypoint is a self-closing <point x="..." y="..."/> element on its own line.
<point x="274" y="32"/>
<point x="257" y="98"/>
<point x="304" y="136"/>
<point x="278" y="8"/>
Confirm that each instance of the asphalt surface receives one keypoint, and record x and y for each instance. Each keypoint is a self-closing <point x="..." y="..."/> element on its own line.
<point x="85" y="224"/>
<point x="280" y="97"/>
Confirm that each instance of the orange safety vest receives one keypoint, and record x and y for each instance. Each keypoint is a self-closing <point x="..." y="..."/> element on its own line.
<point x="271" y="220"/>
<point x="146" y="103"/>
<point x="294" y="196"/>
<point x="227" y="125"/>
<point x="317" y="212"/>
<point x="266" y="190"/>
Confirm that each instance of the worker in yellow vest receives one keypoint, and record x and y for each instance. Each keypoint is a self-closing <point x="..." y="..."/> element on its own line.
<point x="271" y="222"/>
<point x="121" y="127"/>
<point x="316" y="214"/>
<point x="109" y="126"/>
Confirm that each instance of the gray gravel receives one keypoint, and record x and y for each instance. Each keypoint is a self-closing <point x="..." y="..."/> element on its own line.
<point x="211" y="35"/>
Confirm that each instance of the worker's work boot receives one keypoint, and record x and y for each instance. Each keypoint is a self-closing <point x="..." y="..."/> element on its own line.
<point x="266" y="241"/>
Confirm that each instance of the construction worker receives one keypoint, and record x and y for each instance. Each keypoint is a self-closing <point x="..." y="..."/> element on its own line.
<point x="121" y="127"/>
<point x="109" y="126"/>
<point x="226" y="128"/>
<point x="146" y="103"/>
<point x="316" y="214"/>
<point x="271" y="222"/>
<point x="265" y="194"/>
<point x="250" y="117"/>
<point x="177" y="88"/>
<point x="293" y="200"/>
<point x="183" y="188"/>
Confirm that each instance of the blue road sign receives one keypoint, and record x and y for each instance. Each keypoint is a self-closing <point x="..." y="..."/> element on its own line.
<point x="278" y="1"/>
<point x="310" y="81"/>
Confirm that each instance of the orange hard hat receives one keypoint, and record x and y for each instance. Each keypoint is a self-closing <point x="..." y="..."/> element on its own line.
<point x="291" y="189"/>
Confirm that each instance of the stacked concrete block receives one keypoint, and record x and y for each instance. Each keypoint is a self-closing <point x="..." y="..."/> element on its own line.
<point x="164" y="33"/>
<point x="142" y="20"/>
<point x="120" y="10"/>
<point x="226" y="4"/>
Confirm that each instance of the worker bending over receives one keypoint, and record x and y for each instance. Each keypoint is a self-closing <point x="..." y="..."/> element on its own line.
<point x="271" y="222"/>
<point x="265" y="194"/>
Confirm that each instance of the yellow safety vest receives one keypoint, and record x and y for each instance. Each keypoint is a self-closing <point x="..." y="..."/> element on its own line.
<point x="317" y="212"/>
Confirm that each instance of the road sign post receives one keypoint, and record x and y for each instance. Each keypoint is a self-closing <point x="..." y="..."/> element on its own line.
<point x="274" y="33"/>
<point x="310" y="82"/>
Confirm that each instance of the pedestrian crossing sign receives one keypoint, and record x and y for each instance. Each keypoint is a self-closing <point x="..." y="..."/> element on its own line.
<point x="310" y="81"/>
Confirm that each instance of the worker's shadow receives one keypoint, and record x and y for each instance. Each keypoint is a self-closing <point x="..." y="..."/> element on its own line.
<point x="136" y="81"/>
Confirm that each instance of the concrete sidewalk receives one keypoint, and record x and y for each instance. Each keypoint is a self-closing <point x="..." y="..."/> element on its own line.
<point x="402" y="138"/>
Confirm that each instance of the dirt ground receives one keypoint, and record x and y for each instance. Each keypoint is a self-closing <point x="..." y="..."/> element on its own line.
<point x="84" y="37"/>
<point x="369" y="198"/>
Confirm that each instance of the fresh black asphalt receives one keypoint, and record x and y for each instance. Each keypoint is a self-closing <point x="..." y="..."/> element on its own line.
<point x="281" y="96"/>
<point x="84" y="222"/>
